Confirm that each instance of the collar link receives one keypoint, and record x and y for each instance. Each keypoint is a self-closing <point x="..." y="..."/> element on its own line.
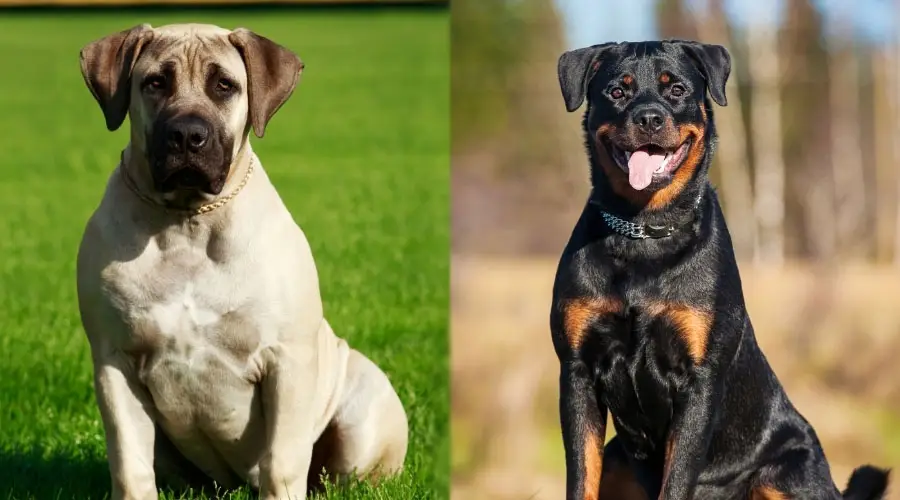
<point x="638" y="231"/>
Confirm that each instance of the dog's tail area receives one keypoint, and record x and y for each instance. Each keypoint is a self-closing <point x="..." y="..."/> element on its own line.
<point x="867" y="483"/>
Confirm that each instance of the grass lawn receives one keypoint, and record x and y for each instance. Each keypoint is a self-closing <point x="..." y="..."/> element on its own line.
<point x="360" y="155"/>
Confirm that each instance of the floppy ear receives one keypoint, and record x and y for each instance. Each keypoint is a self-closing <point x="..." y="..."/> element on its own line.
<point x="576" y="68"/>
<point x="272" y="74"/>
<point x="106" y="66"/>
<point x="714" y="63"/>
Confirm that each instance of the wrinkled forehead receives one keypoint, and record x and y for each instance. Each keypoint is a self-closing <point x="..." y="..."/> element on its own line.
<point x="647" y="60"/>
<point x="195" y="51"/>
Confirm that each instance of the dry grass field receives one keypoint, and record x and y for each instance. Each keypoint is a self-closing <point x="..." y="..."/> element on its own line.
<point x="832" y="338"/>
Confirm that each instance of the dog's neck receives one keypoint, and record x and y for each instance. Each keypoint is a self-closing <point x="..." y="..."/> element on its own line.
<point x="646" y="230"/>
<point x="135" y="172"/>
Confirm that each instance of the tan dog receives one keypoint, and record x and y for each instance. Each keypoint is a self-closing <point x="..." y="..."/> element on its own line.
<point x="198" y="291"/>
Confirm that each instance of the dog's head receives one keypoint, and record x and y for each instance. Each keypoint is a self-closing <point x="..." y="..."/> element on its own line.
<point x="648" y="114"/>
<point x="193" y="92"/>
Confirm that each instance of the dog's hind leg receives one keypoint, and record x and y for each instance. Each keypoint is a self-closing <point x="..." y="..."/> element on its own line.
<point x="368" y="435"/>
<point x="794" y="477"/>
<point x="797" y="472"/>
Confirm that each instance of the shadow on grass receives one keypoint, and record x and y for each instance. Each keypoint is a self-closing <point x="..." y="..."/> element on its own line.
<point x="31" y="474"/>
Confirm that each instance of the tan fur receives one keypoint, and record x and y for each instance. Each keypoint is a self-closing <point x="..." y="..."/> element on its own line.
<point x="692" y="325"/>
<point x="580" y="312"/>
<point x="662" y="198"/>
<point x="767" y="493"/>
<point x="593" y="463"/>
<point x="210" y="327"/>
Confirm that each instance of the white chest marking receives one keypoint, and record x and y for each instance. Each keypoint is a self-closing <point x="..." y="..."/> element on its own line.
<point x="182" y="313"/>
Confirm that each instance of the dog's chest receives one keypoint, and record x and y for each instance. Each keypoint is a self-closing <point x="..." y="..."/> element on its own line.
<point x="181" y="310"/>
<point x="188" y="316"/>
<point x="642" y="366"/>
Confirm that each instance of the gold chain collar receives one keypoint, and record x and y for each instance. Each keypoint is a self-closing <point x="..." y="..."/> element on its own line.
<point x="202" y="209"/>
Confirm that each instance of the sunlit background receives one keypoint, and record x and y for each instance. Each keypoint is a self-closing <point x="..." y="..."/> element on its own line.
<point x="808" y="170"/>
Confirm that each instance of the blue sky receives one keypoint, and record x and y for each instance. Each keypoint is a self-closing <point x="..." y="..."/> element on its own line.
<point x="595" y="21"/>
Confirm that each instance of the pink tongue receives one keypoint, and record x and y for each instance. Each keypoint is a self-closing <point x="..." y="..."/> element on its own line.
<point x="641" y="166"/>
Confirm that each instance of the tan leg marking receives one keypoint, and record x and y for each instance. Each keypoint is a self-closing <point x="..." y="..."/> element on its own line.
<point x="767" y="493"/>
<point x="593" y="463"/>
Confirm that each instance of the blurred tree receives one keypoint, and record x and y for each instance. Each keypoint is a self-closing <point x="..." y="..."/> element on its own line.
<point x="765" y="119"/>
<point x="809" y="207"/>
<point x="504" y="84"/>
<point x="846" y="143"/>
<point x="731" y="164"/>
<point x="520" y="172"/>
<point x="544" y="136"/>
<point x="894" y="131"/>
<point x="675" y="20"/>
<point x="882" y="71"/>
<point x="486" y="38"/>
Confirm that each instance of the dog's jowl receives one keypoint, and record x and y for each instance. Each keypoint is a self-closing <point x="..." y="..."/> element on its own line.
<point x="199" y="293"/>
<point x="648" y="317"/>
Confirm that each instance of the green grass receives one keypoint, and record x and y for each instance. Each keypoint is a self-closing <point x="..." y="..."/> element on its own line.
<point x="360" y="156"/>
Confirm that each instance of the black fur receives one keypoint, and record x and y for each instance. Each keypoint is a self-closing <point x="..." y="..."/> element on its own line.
<point x="732" y="428"/>
<point x="176" y="164"/>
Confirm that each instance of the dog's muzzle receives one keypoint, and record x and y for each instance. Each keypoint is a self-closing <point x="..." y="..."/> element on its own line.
<point x="187" y="155"/>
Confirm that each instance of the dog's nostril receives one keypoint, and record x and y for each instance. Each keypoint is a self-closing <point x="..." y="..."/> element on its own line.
<point x="197" y="139"/>
<point x="651" y="121"/>
<point x="190" y="136"/>
<point x="176" y="137"/>
<point x="197" y="135"/>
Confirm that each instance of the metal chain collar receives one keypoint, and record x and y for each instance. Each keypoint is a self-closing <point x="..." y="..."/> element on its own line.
<point x="638" y="231"/>
<point x="635" y="231"/>
<point x="202" y="209"/>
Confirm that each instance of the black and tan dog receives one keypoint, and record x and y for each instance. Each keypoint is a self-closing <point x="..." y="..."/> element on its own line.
<point x="648" y="315"/>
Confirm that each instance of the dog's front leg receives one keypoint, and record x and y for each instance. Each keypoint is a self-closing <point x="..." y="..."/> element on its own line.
<point x="288" y="400"/>
<point x="688" y="441"/>
<point x="583" y="420"/>
<point x="125" y="408"/>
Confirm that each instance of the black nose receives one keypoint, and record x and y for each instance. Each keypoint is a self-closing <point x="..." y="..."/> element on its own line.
<point x="649" y="119"/>
<point x="187" y="134"/>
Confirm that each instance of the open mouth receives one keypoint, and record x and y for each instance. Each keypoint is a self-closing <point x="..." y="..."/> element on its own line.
<point x="648" y="162"/>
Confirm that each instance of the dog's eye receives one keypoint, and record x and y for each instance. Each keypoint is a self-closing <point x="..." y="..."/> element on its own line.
<point x="677" y="90"/>
<point x="155" y="83"/>
<point x="224" y="85"/>
<point x="617" y="93"/>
